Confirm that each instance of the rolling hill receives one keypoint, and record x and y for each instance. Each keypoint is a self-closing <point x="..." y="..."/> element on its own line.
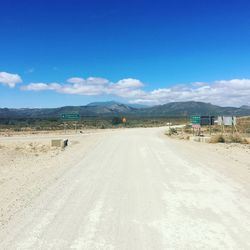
<point x="104" y="109"/>
<point x="90" y="110"/>
<point x="191" y="108"/>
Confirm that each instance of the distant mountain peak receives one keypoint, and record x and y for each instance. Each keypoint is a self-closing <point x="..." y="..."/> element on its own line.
<point x="103" y="104"/>
<point x="245" y="107"/>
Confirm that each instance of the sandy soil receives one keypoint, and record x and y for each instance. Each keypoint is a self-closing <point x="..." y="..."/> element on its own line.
<point x="123" y="189"/>
<point x="29" y="164"/>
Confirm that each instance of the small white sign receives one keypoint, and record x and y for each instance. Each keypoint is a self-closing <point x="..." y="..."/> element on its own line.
<point x="227" y="120"/>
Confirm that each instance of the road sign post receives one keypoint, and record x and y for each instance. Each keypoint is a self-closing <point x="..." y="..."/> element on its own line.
<point x="74" y="117"/>
<point x="196" y="121"/>
<point x="199" y="121"/>
<point x="71" y="117"/>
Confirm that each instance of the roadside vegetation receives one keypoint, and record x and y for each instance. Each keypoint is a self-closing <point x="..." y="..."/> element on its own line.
<point x="33" y="125"/>
<point x="217" y="134"/>
<point x="235" y="138"/>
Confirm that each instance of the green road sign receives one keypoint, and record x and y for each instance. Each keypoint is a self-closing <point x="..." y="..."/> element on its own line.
<point x="195" y="119"/>
<point x="71" y="117"/>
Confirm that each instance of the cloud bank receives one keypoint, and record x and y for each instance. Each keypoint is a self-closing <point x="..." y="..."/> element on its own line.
<point x="92" y="86"/>
<point x="9" y="79"/>
<point x="234" y="92"/>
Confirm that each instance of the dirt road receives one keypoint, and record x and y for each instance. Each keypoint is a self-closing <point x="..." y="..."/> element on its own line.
<point x="137" y="189"/>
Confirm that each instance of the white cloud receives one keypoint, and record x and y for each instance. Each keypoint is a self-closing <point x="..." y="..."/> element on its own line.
<point x="126" y="88"/>
<point x="88" y="81"/>
<point x="9" y="79"/>
<point x="128" y="83"/>
<point x="91" y="86"/>
<point x="41" y="86"/>
<point x="233" y="92"/>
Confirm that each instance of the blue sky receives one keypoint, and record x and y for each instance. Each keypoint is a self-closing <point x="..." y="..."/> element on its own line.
<point x="55" y="53"/>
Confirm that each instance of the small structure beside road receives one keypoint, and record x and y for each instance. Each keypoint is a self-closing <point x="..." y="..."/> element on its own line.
<point x="59" y="143"/>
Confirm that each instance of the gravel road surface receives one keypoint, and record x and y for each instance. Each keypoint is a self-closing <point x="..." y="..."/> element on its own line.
<point x="137" y="189"/>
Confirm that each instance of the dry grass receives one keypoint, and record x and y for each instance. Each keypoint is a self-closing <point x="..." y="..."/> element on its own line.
<point x="178" y="133"/>
<point x="217" y="139"/>
<point x="184" y="137"/>
<point x="236" y="138"/>
<point x="33" y="148"/>
<point x="243" y="125"/>
<point x="171" y="131"/>
<point x="188" y="129"/>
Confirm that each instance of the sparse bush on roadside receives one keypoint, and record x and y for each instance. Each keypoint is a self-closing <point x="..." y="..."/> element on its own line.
<point x="234" y="139"/>
<point x="216" y="129"/>
<point x="217" y="139"/>
<point x="228" y="139"/>
<point x="244" y="141"/>
<point x="237" y="139"/>
<point x="184" y="137"/>
<point x="17" y="129"/>
<point x="247" y="131"/>
<point x="172" y="131"/>
<point x="188" y="129"/>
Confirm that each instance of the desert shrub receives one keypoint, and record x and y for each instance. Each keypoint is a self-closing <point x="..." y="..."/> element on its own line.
<point x="116" y="120"/>
<point x="216" y="129"/>
<point x="17" y="129"/>
<point x="237" y="139"/>
<point x="229" y="139"/>
<point x="184" y="137"/>
<point x="247" y="130"/>
<point x="171" y="131"/>
<point x="244" y="141"/>
<point x="217" y="139"/>
<point x="188" y="129"/>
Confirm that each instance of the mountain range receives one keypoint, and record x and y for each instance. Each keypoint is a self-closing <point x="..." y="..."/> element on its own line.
<point x="111" y="108"/>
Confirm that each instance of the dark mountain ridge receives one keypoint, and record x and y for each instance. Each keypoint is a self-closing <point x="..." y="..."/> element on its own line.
<point x="191" y="108"/>
<point x="104" y="109"/>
